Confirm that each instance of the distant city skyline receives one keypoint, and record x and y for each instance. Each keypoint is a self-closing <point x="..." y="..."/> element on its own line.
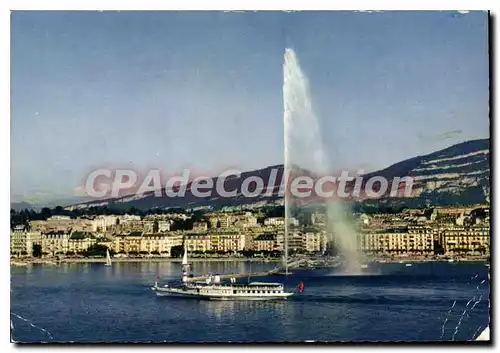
<point x="203" y="90"/>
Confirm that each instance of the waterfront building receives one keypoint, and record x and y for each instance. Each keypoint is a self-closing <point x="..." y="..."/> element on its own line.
<point x="198" y="242"/>
<point x="313" y="242"/>
<point x="22" y="240"/>
<point x="265" y="242"/>
<point x="405" y="240"/>
<point x="126" y="243"/>
<point x="464" y="239"/>
<point x="227" y="241"/>
<point x="55" y="242"/>
<point x="139" y="242"/>
<point x="280" y="239"/>
<point x="295" y="240"/>
<point x="80" y="241"/>
<point x="421" y="238"/>
<point x="160" y="243"/>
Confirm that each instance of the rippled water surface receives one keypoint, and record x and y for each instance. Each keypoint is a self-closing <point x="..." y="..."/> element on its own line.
<point x="390" y="302"/>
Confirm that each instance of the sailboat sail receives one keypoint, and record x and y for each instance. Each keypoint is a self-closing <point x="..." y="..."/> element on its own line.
<point x="185" y="257"/>
<point x="108" y="258"/>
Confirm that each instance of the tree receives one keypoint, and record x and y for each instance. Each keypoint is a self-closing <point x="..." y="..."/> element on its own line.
<point x="134" y="211"/>
<point x="331" y="249"/>
<point x="37" y="250"/>
<point x="248" y="253"/>
<point x="45" y="213"/>
<point x="177" y="251"/>
<point x="96" y="250"/>
<point x="438" y="248"/>
<point x="481" y="249"/>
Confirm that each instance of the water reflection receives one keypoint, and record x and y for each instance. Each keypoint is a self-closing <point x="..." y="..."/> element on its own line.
<point x="230" y="311"/>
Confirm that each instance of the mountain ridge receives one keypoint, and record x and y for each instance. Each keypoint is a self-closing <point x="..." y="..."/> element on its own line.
<point x="458" y="174"/>
<point x="443" y="177"/>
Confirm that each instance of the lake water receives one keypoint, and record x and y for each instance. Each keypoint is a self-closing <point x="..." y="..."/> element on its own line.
<point x="391" y="302"/>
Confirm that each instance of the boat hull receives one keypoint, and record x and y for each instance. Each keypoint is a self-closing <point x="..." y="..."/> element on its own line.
<point x="179" y="293"/>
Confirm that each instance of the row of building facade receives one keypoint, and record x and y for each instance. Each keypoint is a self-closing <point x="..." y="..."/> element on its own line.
<point x="22" y="241"/>
<point x="426" y="239"/>
<point x="451" y="229"/>
<point x="418" y="239"/>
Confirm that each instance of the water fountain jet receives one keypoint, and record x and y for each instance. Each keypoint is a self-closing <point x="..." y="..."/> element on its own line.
<point x="305" y="153"/>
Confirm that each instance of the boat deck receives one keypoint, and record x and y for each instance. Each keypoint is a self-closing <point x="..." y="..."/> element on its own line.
<point x="234" y="275"/>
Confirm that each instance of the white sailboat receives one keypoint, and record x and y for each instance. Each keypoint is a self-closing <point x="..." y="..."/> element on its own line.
<point x="212" y="288"/>
<point x="108" y="259"/>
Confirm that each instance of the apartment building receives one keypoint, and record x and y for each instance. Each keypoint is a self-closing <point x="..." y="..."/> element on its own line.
<point x="313" y="242"/>
<point x="265" y="242"/>
<point x="55" y="242"/>
<point x="475" y="238"/>
<point x="80" y="241"/>
<point x="22" y="240"/>
<point x="198" y="242"/>
<point x="397" y="240"/>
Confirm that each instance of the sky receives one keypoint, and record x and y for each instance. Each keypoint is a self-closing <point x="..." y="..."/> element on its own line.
<point x="203" y="90"/>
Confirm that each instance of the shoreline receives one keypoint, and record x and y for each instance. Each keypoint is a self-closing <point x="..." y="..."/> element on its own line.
<point x="17" y="262"/>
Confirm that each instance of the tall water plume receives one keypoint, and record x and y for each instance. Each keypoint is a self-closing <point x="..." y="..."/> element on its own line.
<point x="304" y="153"/>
